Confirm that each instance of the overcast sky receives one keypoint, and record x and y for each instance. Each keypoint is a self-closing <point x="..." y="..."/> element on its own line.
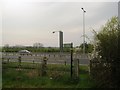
<point x="25" y="23"/>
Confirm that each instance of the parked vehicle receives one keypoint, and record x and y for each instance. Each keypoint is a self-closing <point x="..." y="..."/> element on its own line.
<point x="25" y="52"/>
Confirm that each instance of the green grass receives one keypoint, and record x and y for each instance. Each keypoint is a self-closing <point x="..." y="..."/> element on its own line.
<point x="58" y="76"/>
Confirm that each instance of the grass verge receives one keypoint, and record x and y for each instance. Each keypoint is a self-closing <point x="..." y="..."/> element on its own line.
<point x="58" y="76"/>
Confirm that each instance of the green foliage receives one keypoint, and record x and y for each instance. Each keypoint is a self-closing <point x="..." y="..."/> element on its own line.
<point x="88" y="47"/>
<point x="58" y="77"/>
<point x="107" y="45"/>
<point x="32" y="49"/>
<point x="101" y="73"/>
<point x="107" y="67"/>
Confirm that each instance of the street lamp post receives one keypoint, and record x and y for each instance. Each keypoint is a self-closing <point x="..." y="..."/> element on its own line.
<point x="60" y="40"/>
<point x="83" y="30"/>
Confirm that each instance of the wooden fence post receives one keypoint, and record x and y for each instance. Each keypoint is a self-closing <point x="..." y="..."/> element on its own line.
<point x="76" y="68"/>
<point x="8" y="60"/>
<point x="44" y="66"/>
<point x="90" y="67"/>
<point x="65" y="63"/>
<point x="19" y="61"/>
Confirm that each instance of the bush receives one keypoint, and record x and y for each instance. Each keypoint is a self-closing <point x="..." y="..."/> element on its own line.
<point x="107" y="46"/>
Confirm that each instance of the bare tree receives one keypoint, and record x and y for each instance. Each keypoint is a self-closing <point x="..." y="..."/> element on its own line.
<point x="6" y="45"/>
<point x="37" y="45"/>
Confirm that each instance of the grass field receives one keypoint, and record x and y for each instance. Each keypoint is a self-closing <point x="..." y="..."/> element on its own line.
<point x="58" y="76"/>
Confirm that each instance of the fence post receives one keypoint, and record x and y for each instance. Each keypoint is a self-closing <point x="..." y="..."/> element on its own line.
<point x="76" y="68"/>
<point x="33" y="61"/>
<point x="44" y="66"/>
<point x="65" y="63"/>
<point x="19" y="61"/>
<point x="90" y="67"/>
<point x="8" y="60"/>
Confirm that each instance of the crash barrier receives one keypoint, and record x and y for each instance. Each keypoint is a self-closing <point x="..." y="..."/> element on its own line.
<point x="37" y="58"/>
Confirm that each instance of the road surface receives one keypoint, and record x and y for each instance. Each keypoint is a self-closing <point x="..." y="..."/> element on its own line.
<point x="52" y="58"/>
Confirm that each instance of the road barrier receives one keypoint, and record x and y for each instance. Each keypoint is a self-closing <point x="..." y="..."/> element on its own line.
<point x="37" y="58"/>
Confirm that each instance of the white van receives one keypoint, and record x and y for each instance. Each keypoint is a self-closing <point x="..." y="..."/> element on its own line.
<point x="25" y="52"/>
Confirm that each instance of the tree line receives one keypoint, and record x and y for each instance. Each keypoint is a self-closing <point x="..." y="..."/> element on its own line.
<point x="37" y="47"/>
